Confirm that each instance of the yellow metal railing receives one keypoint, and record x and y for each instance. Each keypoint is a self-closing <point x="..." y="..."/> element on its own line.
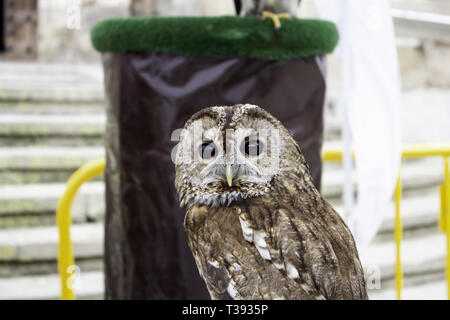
<point x="96" y="167"/>
<point x="444" y="221"/>
<point x="415" y="151"/>
<point x="63" y="219"/>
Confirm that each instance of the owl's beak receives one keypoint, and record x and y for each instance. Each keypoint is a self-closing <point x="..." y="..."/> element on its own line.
<point x="229" y="174"/>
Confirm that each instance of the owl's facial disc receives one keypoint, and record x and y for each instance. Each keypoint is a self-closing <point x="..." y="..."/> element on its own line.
<point x="241" y="163"/>
<point x="233" y="157"/>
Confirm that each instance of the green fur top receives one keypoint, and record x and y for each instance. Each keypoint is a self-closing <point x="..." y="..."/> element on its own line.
<point x="217" y="36"/>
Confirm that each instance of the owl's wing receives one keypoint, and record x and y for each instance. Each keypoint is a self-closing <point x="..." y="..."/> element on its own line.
<point x="309" y="243"/>
<point x="200" y="238"/>
<point x="216" y="277"/>
<point x="231" y="267"/>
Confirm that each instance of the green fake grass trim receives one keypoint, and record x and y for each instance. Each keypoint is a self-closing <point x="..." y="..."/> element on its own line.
<point x="217" y="36"/>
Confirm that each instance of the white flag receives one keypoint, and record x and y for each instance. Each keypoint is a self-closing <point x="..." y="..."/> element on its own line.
<point x="371" y="94"/>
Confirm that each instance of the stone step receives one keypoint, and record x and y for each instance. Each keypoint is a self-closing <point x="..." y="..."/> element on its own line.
<point x="46" y="287"/>
<point x="436" y="6"/>
<point x="91" y="286"/>
<point x="35" y="204"/>
<point x="43" y="164"/>
<point x="51" y="82"/>
<point x="424" y="25"/>
<point x="417" y="174"/>
<point x="40" y="164"/>
<point x="419" y="211"/>
<point x="47" y="125"/>
<point x="428" y="124"/>
<point x="422" y="255"/>
<point x="52" y="130"/>
<point x="432" y="289"/>
<point x="418" y="124"/>
<point x="423" y="259"/>
<point x="22" y="248"/>
<point x="51" y="108"/>
<point x="34" y="250"/>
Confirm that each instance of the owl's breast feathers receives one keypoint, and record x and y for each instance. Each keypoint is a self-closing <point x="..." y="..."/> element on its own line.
<point x="289" y="244"/>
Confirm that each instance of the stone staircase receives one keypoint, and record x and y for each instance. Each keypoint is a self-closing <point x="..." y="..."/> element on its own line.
<point x="52" y="121"/>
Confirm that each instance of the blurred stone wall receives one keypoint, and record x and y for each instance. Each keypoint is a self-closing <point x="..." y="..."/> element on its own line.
<point x="64" y="32"/>
<point x="433" y="6"/>
<point x="422" y="61"/>
<point x="64" y="27"/>
<point x="182" y="7"/>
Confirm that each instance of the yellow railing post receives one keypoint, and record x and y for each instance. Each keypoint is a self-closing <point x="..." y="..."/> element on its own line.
<point x="398" y="238"/>
<point x="446" y="218"/>
<point x="443" y="214"/>
<point x="415" y="151"/>
<point x="63" y="220"/>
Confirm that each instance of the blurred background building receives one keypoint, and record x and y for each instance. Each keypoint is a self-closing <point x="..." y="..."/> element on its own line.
<point x="52" y="121"/>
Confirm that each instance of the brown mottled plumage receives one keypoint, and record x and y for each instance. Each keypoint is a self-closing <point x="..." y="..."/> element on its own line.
<point x="266" y="233"/>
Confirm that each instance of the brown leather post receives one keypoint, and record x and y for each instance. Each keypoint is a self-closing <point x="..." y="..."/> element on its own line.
<point x="151" y="94"/>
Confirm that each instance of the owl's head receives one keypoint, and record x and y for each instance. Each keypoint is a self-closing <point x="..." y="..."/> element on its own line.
<point x="227" y="154"/>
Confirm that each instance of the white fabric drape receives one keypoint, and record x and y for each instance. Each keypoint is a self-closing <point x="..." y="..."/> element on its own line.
<point x="371" y="94"/>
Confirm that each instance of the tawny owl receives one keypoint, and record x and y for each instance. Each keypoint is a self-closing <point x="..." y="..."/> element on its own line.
<point x="256" y="225"/>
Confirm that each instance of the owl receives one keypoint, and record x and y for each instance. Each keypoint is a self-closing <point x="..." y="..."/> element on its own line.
<point x="255" y="223"/>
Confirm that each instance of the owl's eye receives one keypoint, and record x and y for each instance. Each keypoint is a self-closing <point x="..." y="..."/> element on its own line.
<point x="252" y="147"/>
<point x="207" y="150"/>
